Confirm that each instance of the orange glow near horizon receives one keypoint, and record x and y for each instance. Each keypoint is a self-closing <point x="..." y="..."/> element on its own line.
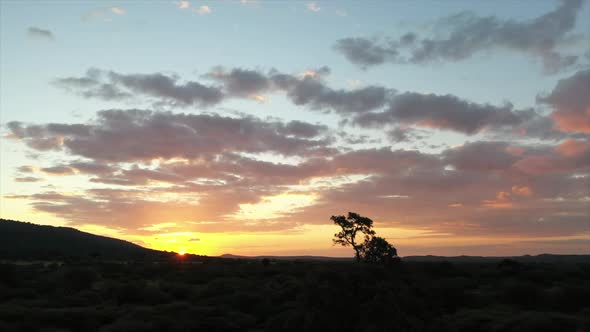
<point x="308" y="240"/>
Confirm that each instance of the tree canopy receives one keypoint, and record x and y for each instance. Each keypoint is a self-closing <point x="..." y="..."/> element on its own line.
<point x="357" y="233"/>
<point x="378" y="250"/>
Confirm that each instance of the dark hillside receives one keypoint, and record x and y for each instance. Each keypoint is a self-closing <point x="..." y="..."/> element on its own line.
<point x="21" y="240"/>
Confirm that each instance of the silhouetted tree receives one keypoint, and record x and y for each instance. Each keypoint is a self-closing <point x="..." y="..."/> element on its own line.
<point x="352" y="226"/>
<point x="378" y="250"/>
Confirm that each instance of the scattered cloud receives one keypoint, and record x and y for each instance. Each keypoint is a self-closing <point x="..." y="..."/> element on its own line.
<point x="308" y="90"/>
<point x="104" y="13"/>
<point x="40" y="34"/>
<point x="444" y="112"/>
<point x="312" y="6"/>
<point x="522" y="190"/>
<point x="130" y="135"/>
<point x="58" y="170"/>
<point x="573" y="148"/>
<point x="118" y="10"/>
<point x="571" y="103"/>
<point x="463" y="35"/>
<point x="202" y="170"/>
<point x="368" y="106"/>
<point x="109" y="85"/>
<point x="204" y="10"/>
<point x="515" y="172"/>
<point x="183" y="4"/>
<point x="28" y="179"/>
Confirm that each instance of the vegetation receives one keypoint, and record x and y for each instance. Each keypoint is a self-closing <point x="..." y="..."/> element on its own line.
<point x="255" y="295"/>
<point x="372" y="249"/>
<point x="194" y="293"/>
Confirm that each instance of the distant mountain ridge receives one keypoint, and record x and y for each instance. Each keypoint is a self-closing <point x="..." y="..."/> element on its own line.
<point x="304" y="257"/>
<point x="23" y="240"/>
<point x="542" y="258"/>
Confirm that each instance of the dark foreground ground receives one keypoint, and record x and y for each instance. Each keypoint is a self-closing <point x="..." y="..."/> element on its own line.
<point x="251" y="295"/>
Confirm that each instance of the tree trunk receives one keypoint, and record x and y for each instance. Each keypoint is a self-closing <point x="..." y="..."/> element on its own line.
<point x="357" y="254"/>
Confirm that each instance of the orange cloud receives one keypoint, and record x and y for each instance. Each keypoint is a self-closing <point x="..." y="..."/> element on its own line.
<point x="183" y="4"/>
<point x="572" y="121"/>
<point x="204" y="10"/>
<point x="522" y="190"/>
<point x="260" y="98"/>
<point x="571" y="102"/>
<point x="515" y="151"/>
<point x="496" y="204"/>
<point x="503" y="195"/>
<point x="541" y="164"/>
<point x="572" y="148"/>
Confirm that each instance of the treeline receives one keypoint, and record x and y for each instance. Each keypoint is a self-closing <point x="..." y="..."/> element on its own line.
<point x="269" y="295"/>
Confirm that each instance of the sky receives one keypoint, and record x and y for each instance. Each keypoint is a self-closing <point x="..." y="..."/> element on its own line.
<point x="212" y="127"/>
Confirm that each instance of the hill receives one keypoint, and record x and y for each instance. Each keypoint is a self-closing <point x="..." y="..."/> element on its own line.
<point x="27" y="241"/>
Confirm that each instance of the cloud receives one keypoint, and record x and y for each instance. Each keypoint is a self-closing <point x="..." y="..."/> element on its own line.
<point x="183" y="4"/>
<point x="27" y="179"/>
<point x="554" y="162"/>
<point x="573" y="148"/>
<point x="444" y="112"/>
<point x="312" y="6"/>
<point x="128" y="135"/>
<point x="365" y="52"/>
<point x="481" y="156"/>
<point x="40" y="34"/>
<point x="463" y="35"/>
<point x="26" y="169"/>
<point x="489" y="156"/>
<point x="104" y="13"/>
<point x="370" y="106"/>
<point x="166" y="87"/>
<point x="86" y="167"/>
<point x="109" y="85"/>
<point x="308" y="90"/>
<point x="318" y="96"/>
<point x="240" y="82"/>
<point x="118" y="10"/>
<point x="522" y="190"/>
<point x="571" y="103"/>
<point x="204" y="10"/>
<point x="199" y="170"/>
<point x="58" y="170"/>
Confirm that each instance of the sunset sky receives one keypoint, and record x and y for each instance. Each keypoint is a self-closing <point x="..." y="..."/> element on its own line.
<point x="459" y="127"/>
